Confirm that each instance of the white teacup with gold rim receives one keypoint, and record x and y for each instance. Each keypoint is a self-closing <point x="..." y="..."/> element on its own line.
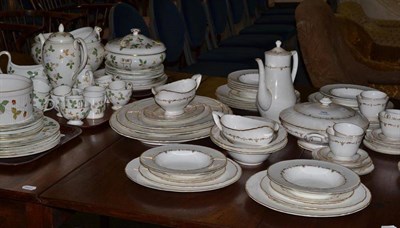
<point x="371" y="102"/>
<point x="245" y="130"/>
<point x="344" y="140"/>
<point x="389" y="121"/>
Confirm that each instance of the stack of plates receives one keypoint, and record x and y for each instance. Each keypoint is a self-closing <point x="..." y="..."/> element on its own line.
<point x="183" y="168"/>
<point x="250" y="154"/>
<point x="33" y="136"/>
<point x="241" y="90"/>
<point x="144" y="120"/>
<point x="141" y="79"/>
<point x="309" y="188"/>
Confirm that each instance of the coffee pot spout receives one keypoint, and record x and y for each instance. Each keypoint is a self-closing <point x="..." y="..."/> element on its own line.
<point x="264" y="96"/>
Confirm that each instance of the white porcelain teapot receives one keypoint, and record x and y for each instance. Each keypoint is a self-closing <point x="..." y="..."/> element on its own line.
<point x="63" y="56"/>
<point x="276" y="77"/>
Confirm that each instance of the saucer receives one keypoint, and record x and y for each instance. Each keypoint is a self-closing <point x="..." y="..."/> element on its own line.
<point x="376" y="141"/>
<point x="360" y="163"/>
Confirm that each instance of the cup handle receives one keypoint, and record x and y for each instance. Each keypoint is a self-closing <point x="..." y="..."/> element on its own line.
<point x="50" y="105"/>
<point x="217" y="116"/>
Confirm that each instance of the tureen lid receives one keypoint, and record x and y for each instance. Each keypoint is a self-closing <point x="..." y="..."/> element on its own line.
<point x="135" y="44"/>
<point x="61" y="36"/>
<point x="278" y="51"/>
<point x="320" y="115"/>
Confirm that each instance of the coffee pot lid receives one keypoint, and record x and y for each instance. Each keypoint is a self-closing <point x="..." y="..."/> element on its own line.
<point x="278" y="51"/>
<point x="61" y="36"/>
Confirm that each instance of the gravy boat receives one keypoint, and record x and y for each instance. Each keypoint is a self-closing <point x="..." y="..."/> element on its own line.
<point x="245" y="130"/>
<point x="28" y="71"/>
<point x="175" y="96"/>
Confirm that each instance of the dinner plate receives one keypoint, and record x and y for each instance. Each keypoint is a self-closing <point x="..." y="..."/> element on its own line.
<point x="183" y="160"/>
<point x="243" y="79"/>
<point x="23" y="128"/>
<point x="222" y="94"/>
<point x="358" y="202"/>
<point x="313" y="176"/>
<point x="376" y="143"/>
<point x="230" y="176"/>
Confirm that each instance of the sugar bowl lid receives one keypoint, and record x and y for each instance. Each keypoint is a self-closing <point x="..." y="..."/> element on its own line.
<point x="320" y="115"/>
<point x="135" y="44"/>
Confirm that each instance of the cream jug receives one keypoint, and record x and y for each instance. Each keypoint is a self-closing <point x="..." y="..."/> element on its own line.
<point x="276" y="77"/>
<point x="63" y="56"/>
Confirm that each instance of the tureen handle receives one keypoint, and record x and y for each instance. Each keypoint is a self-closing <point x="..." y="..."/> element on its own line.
<point x="315" y="138"/>
<point x="217" y="116"/>
<point x="125" y="41"/>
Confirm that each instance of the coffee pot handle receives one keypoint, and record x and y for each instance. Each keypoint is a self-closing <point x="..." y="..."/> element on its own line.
<point x="80" y="42"/>
<point x="295" y="65"/>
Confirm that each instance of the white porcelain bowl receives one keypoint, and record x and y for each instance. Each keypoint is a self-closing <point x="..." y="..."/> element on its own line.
<point x="249" y="159"/>
<point x="15" y="99"/>
<point x="75" y="115"/>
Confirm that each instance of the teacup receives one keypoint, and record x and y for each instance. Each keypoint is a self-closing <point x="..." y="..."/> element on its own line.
<point x="344" y="140"/>
<point x="85" y="78"/>
<point x="75" y="115"/>
<point x="175" y="96"/>
<point x="42" y="101"/>
<point x="74" y="101"/>
<point x="390" y="123"/>
<point x="103" y="80"/>
<point x="245" y="130"/>
<point x="97" y="104"/>
<point x="119" y="95"/>
<point x="57" y="96"/>
<point x="371" y="102"/>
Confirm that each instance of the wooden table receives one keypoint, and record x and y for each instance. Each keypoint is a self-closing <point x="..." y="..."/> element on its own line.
<point x="104" y="189"/>
<point x="87" y="175"/>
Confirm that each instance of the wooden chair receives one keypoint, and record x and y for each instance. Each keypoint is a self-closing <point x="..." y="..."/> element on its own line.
<point x="329" y="58"/>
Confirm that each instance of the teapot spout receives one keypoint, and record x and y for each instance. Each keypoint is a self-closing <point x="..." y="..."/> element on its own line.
<point x="264" y="97"/>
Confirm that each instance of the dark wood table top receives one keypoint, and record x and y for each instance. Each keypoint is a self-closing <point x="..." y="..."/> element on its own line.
<point x="105" y="189"/>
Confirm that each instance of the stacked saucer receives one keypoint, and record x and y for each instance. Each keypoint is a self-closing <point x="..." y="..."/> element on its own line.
<point x="143" y="79"/>
<point x="309" y="188"/>
<point x="183" y="168"/>
<point x="241" y="90"/>
<point x="377" y="141"/>
<point x="250" y="155"/>
<point x="146" y="121"/>
<point x="361" y="163"/>
<point x="35" y="135"/>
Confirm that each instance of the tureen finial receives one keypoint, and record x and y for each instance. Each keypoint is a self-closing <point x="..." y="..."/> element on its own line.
<point x="135" y="31"/>
<point x="61" y="28"/>
<point x="278" y="43"/>
<point x="325" y="101"/>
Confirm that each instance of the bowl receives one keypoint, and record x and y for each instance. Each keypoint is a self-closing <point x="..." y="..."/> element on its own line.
<point x="15" y="99"/>
<point x="249" y="159"/>
<point x="134" y="52"/>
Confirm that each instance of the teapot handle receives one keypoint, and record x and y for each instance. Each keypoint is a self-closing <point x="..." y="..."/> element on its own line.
<point x="84" y="57"/>
<point x="295" y="65"/>
<point x="9" y="59"/>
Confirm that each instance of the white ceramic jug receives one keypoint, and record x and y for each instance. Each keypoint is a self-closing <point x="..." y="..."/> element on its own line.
<point x="63" y="56"/>
<point x="276" y="77"/>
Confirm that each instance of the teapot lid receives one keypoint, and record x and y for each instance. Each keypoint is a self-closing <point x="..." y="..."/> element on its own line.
<point x="135" y="44"/>
<point x="61" y="36"/>
<point x="278" y="51"/>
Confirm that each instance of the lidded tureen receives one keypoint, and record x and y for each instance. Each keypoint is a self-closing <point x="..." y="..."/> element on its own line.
<point x="309" y="121"/>
<point x="134" y="52"/>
